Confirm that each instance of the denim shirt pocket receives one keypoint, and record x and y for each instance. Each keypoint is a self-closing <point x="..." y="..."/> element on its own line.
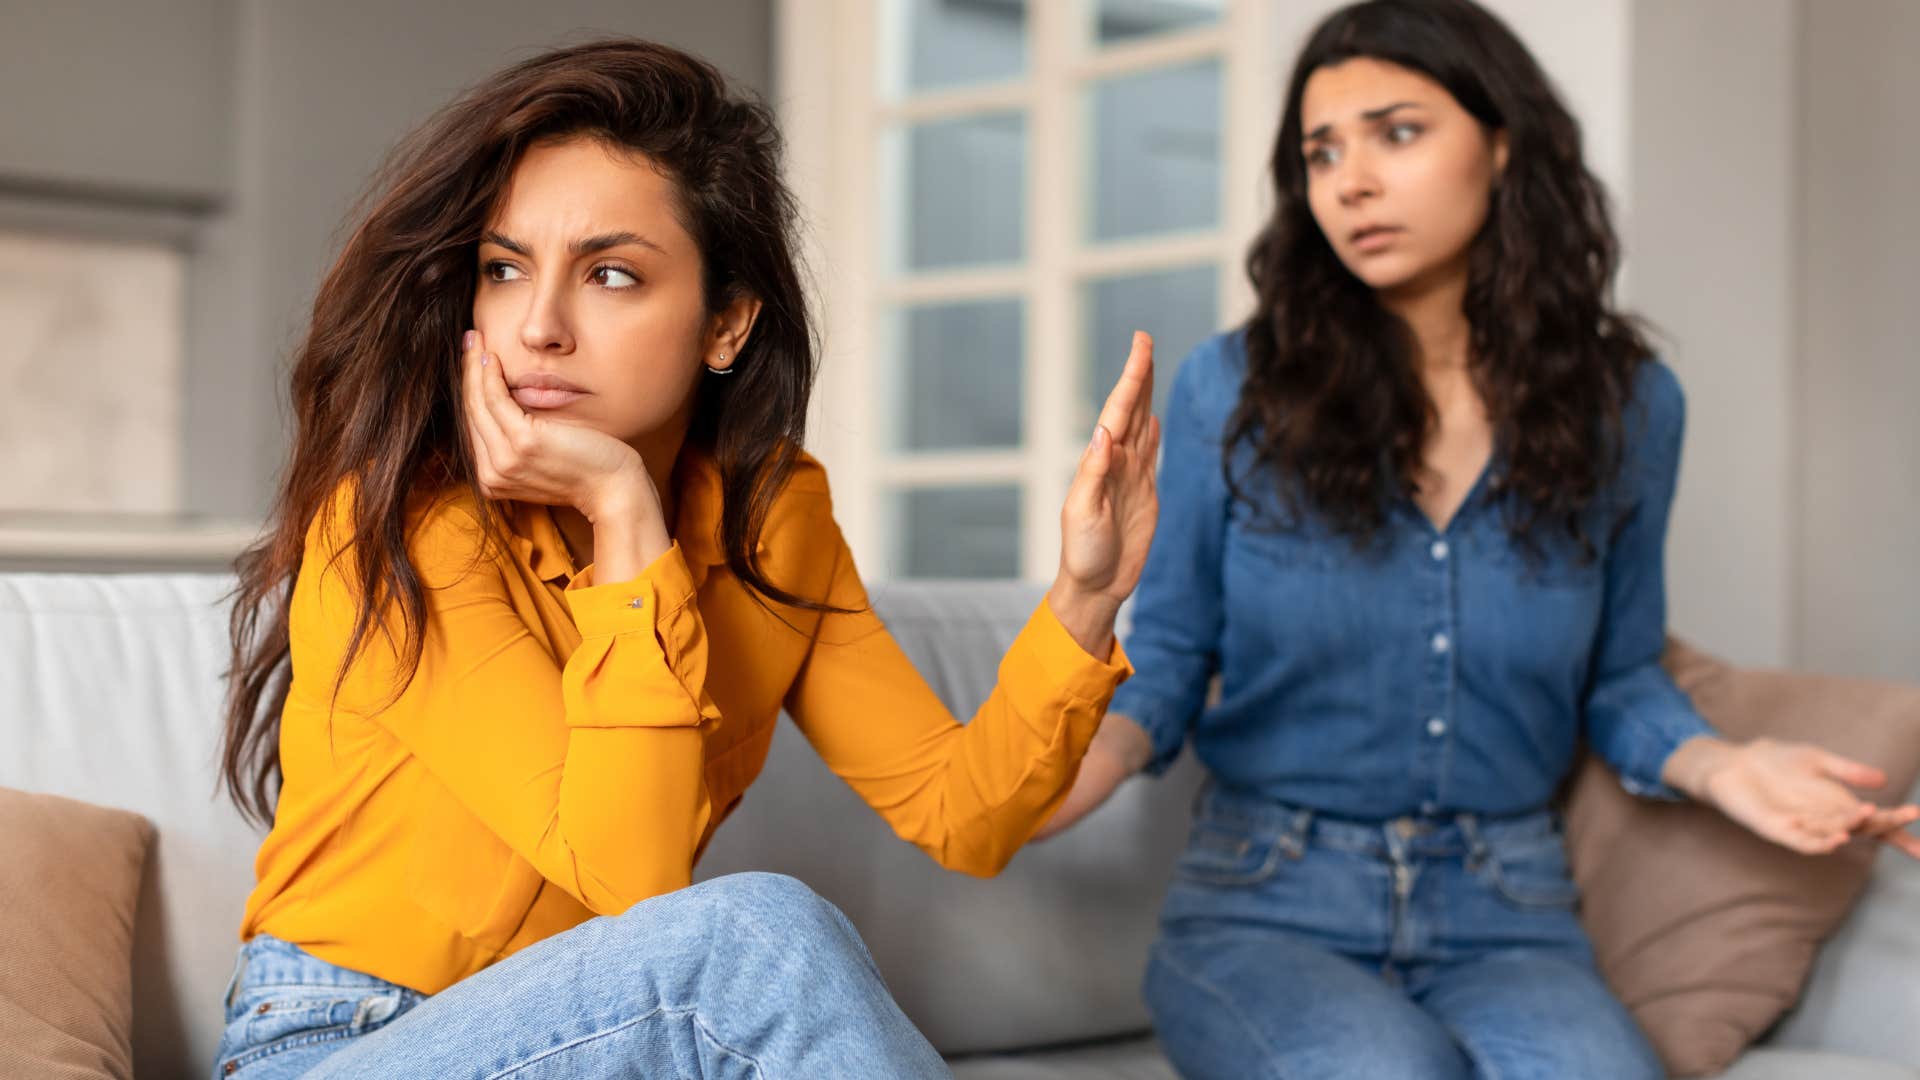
<point x="1229" y="853"/>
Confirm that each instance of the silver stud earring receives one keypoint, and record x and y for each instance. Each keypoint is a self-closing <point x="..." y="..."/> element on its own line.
<point x="720" y="371"/>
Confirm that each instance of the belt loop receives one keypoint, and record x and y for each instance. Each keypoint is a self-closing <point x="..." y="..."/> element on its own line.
<point x="1477" y="850"/>
<point x="1293" y="839"/>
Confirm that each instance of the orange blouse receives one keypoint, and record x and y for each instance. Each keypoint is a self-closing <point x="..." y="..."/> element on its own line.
<point x="566" y="749"/>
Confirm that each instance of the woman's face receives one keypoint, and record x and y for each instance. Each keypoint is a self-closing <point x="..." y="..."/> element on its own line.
<point x="1398" y="174"/>
<point x="590" y="294"/>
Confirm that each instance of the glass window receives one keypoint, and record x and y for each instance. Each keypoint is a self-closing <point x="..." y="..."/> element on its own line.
<point x="942" y="44"/>
<point x="958" y="532"/>
<point x="964" y="193"/>
<point x="1155" y="139"/>
<point x="958" y="375"/>
<point x="1129" y="20"/>
<point x="1178" y="307"/>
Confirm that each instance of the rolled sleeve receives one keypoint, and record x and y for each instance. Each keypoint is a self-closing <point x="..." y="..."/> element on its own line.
<point x="1047" y="657"/>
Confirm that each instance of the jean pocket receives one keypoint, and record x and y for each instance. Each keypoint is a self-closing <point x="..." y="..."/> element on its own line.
<point x="278" y="1019"/>
<point x="1533" y="877"/>
<point x="1221" y="853"/>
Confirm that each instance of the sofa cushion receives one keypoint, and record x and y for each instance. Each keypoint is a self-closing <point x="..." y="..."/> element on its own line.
<point x="112" y="694"/>
<point x="1864" y="996"/>
<point x="1769" y="1064"/>
<point x="1706" y="931"/>
<point x="67" y="901"/>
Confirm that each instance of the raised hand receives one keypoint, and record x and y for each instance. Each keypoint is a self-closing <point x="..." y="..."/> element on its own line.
<point x="1112" y="505"/>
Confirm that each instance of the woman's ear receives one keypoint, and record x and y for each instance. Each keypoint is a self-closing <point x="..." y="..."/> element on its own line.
<point x="728" y="331"/>
<point x="1499" y="155"/>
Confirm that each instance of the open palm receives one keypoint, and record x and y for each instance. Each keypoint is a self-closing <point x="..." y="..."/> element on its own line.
<point x="1799" y="796"/>
<point x="1107" y="523"/>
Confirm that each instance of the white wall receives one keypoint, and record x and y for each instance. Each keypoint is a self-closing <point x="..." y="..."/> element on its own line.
<point x="1858" y="377"/>
<point x="1709" y="232"/>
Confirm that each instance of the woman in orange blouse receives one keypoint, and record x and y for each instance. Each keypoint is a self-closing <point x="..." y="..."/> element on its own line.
<point x="546" y="566"/>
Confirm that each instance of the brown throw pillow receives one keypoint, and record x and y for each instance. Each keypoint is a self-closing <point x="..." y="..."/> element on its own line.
<point x="67" y="893"/>
<point x="1706" y="931"/>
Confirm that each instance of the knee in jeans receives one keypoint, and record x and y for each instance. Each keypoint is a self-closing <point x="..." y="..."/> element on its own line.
<point x="772" y="904"/>
<point x="1407" y="1054"/>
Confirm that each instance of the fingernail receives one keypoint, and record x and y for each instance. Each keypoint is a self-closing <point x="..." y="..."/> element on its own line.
<point x="487" y="359"/>
<point x="1099" y="435"/>
<point x="472" y="338"/>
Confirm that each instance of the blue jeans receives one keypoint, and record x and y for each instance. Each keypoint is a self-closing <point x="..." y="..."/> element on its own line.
<point x="748" y="976"/>
<point x="1299" y="946"/>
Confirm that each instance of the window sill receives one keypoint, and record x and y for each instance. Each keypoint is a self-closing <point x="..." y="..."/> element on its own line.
<point x="120" y="546"/>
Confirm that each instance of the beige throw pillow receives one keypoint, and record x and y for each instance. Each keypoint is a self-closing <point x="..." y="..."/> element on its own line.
<point x="1706" y="931"/>
<point x="69" y="883"/>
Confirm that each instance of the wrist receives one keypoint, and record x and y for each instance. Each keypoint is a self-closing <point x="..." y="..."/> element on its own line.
<point x="1088" y="616"/>
<point x="625" y="494"/>
<point x="1123" y="739"/>
<point x="1693" y="766"/>
<point x="629" y="530"/>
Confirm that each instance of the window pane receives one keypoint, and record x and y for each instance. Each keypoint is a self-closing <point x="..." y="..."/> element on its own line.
<point x="964" y="532"/>
<point x="1178" y="307"/>
<point x="1125" y="20"/>
<point x="1156" y="152"/>
<point x="936" y="44"/>
<point x="958" y="375"/>
<point x="965" y="192"/>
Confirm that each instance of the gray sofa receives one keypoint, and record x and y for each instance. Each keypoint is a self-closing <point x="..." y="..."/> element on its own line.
<point x="110" y="692"/>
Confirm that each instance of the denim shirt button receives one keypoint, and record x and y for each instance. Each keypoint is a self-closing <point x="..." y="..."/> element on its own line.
<point x="1440" y="643"/>
<point x="1439" y="550"/>
<point x="1436" y="727"/>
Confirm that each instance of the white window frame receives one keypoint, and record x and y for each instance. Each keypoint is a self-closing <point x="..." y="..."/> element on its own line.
<point x="829" y="94"/>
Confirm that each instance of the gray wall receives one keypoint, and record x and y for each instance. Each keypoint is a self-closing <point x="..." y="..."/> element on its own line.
<point x="119" y="100"/>
<point x="244" y="129"/>
<point x="1858" y="377"/>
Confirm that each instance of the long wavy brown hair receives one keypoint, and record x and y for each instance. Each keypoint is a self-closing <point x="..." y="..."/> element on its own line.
<point x="1332" y="408"/>
<point x="375" y="383"/>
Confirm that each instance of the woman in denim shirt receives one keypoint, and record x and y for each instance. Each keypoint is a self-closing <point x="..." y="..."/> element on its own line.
<point x="1412" y="520"/>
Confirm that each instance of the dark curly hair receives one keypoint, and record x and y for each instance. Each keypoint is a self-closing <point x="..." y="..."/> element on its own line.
<point x="1332" y="407"/>
<point x="375" y="383"/>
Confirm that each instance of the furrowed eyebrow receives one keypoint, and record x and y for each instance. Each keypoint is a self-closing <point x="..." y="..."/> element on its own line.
<point x="1370" y="116"/>
<point x="583" y="246"/>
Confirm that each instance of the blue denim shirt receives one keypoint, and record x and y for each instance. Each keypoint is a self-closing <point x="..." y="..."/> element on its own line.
<point x="1435" y="672"/>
